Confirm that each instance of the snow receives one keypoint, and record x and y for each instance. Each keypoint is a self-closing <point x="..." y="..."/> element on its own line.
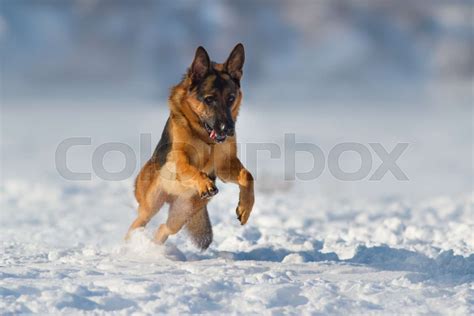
<point x="309" y="248"/>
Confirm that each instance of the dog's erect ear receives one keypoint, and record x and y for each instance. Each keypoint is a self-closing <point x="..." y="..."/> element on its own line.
<point x="235" y="62"/>
<point x="201" y="64"/>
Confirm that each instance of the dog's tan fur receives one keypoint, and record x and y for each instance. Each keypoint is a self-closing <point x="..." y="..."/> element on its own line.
<point x="186" y="175"/>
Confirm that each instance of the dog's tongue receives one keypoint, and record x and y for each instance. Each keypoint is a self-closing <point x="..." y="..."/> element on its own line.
<point x="213" y="134"/>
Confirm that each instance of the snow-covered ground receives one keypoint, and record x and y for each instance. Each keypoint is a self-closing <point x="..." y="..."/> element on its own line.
<point x="321" y="246"/>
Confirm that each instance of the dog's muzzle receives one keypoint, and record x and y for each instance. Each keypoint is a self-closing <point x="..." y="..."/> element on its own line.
<point x="219" y="132"/>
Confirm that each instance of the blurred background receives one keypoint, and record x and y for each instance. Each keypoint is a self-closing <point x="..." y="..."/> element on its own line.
<point x="309" y="49"/>
<point x="329" y="71"/>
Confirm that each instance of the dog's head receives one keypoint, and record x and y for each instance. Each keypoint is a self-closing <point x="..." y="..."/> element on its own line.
<point x="214" y="92"/>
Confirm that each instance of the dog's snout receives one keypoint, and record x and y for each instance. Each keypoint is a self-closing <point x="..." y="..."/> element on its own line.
<point x="225" y="128"/>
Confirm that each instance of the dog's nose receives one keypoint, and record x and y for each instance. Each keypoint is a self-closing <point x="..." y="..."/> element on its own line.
<point x="222" y="127"/>
<point x="225" y="129"/>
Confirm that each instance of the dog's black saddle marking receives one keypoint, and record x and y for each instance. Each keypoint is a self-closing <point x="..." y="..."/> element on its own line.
<point x="163" y="147"/>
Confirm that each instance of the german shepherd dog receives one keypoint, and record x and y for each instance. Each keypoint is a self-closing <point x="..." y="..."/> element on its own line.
<point x="198" y="143"/>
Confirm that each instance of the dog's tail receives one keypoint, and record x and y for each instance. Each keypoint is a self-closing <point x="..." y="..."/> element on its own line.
<point x="199" y="229"/>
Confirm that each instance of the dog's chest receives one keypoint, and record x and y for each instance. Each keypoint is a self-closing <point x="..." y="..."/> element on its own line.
<point x="203" y="158"/>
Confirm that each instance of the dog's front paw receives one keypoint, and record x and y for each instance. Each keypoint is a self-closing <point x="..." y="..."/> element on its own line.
<point x="207" y="189"/>
<point x="243" y="211"/>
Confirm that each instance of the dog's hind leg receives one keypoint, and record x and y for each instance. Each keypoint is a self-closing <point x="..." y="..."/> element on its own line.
<point x="149" y="205"/>
<point x="182" y="209"/>
<point x="200" y="229"/>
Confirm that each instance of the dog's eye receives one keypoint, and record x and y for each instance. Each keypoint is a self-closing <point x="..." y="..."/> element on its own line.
<point x="231" y="98"/>
<point x="209" y="100"/>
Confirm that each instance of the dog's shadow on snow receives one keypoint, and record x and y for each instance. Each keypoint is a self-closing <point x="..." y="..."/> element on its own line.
<point x="446" y="268"/>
